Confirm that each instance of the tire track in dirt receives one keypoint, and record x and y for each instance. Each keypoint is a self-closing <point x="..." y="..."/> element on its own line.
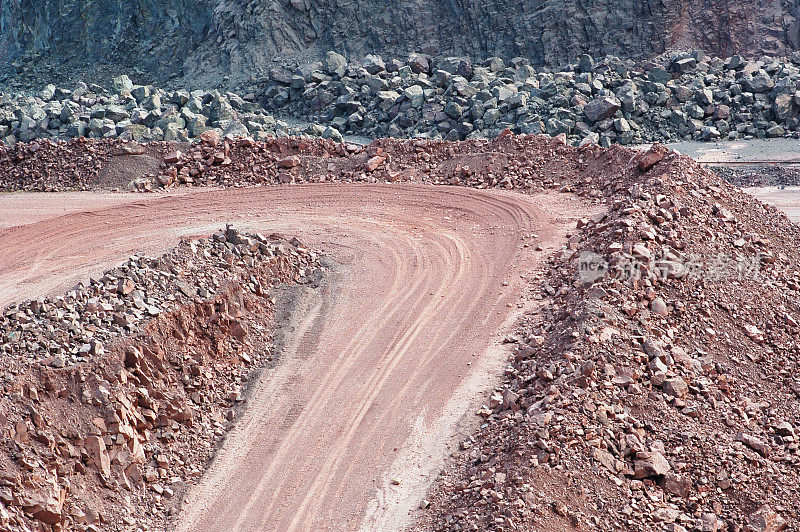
<point x="389" y="355"/>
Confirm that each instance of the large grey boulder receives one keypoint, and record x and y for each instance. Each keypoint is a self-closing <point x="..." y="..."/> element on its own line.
<point x="335" y="64"/>
<point x="601" y="108"/>
<point x="122" y="84"/>
<point x="373" y="64"/>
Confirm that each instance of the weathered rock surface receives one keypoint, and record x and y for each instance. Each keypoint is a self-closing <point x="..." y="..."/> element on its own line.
<point x="208" y="39"/>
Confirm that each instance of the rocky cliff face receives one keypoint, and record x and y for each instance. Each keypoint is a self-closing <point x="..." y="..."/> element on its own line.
<point x="248" y="33"/>
<point x="152" y="35"/>
<point x="213" y="38"/>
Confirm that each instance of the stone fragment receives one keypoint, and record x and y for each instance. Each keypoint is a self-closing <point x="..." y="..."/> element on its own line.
<point x="335" y="64"/>
<point x="757" y="444"/>
<point x="289" y="162"/>
<point x="676" y="387"/>
<point x="659" y="307"/>
<point x="122" y="84"/>
<point x="650" y="464"/>
<point x="98" y="455"/>
<point x="373" y="64"/>
<point x="676" y="485"/>
<point x="601" y="108"/>
<point x="765" y="519"/>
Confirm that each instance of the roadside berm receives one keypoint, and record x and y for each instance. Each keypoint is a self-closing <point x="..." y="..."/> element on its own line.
<point x="116" y="394"/>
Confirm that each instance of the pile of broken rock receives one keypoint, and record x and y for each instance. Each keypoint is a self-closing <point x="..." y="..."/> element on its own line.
<point x="115" y="394"/>
<point x="656" y="390"/>
<point x="659" y="391"/>
<point x="687" y="95"/>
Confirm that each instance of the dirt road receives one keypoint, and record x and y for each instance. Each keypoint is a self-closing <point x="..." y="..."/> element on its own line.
<point x="740" y="151"/>
<point x="354" y="422"/>
<point x="786" y="199"/>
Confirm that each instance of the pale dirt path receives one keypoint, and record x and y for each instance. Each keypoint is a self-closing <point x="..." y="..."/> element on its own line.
<point x="18" y="208"/>
<point x="786" y="199"/>
<point x="380" y="369"/>
<point x="740" y="151"/>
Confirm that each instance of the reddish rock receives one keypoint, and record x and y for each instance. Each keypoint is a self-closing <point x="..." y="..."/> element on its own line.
<point x="173" y="157"/>
<point x="652" y="157"/>
<point x="289" y="162"/>
<point x="765" y="519"/>
<point x="676" y="387"/>
<point x="210" y="138"/>
<point x="96" y="449"/>
<point x="676" y="485"/>
<point x="650" y="464"/>
<point x="374" y="163"/>
<point x="757" y="444"/>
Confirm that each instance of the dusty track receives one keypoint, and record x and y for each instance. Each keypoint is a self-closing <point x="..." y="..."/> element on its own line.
<point x="786" y="199"/>
<point x="381" y="365"/>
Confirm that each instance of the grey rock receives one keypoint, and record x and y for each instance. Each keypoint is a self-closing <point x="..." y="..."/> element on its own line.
<point x="759" y="83"/>
<point x="48" y="92"/>
<point x="685" y="65"/>
<point x="415" y="95"/>
<point x="585" y="63"/>
<point x="141" y="93"/>
<point x="373" y="64"/>
<point x="122" y="84"/>
<point x="116" y="113"/>
<point x="236" y="129"/>
<point x="601" y="108"/>
<point x="335" y="64"/>
<point x="659" y="75"/>
<point x="784" y="106"/>
<point x="419" y="64"/>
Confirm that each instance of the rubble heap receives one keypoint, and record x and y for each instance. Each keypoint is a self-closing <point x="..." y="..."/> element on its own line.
<point x="115" y="395"/>
<point x="657" y="386"/>
<point x="132" y="112"/>
<point x="678" y="96"/>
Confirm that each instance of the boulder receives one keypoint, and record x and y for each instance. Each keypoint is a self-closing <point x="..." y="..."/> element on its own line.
<point x="650" y="464"/>
<point x="98" y="456"/>
<point x="373" y="64"/>
<point x="122" y="84"/>
<point x="676" y="485"/>
<point x="335" y="64"/>
<point x="784" y="106"/>
<point x="765" y="519"/>
<point x="601" y="108"/>
<point x="676" y="387"/>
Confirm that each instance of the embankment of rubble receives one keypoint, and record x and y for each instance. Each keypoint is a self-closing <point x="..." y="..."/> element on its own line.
<point x="117" y="393"/>
<point x="658" y="386"/>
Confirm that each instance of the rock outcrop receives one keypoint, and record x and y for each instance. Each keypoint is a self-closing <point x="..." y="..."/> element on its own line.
<point x="209" y="39"/>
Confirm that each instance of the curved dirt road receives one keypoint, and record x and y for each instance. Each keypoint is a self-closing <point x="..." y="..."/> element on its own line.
<point x="353" y="424"/>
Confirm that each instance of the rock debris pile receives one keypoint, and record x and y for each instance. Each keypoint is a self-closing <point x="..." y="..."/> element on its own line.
<point x="115" y="395"/>
<point x="658" y="386"/>
<point x="680" y="96"/>
<point x="132" y="112"/>
<point x="606" y="101"/>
